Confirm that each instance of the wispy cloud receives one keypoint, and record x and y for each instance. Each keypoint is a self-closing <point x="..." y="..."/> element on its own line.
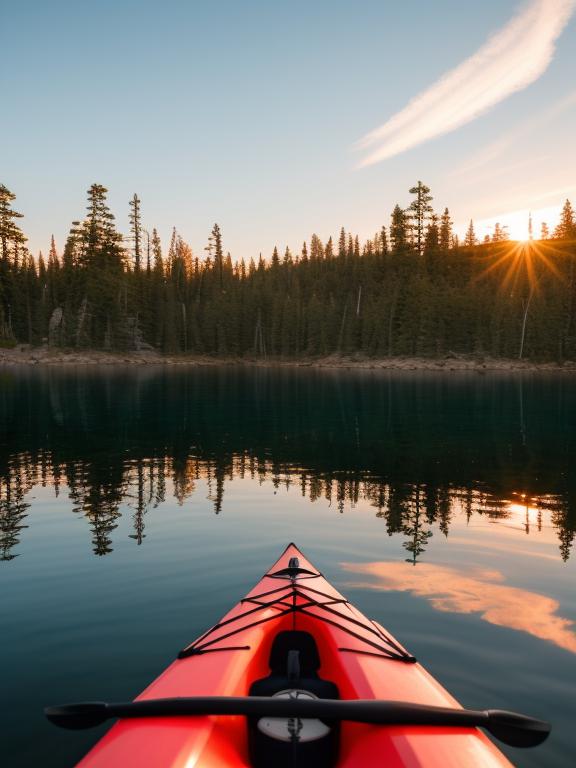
<point x="489" y="154"/>
<point x="510" y="60"/>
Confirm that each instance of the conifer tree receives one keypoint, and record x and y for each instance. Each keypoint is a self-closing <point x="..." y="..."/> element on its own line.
<point x="95" y="247"/>
<point x="157" y="252"/>
<point x="566" y="228"/>
<point x="136" y="230"/>
<point x="470" y="237"/>
<point x="216" y="252"/>
<point x="350" y="249"/>
<point x="99" y="243"/>
<point x="445" y="230"/>
<point x="398" y="230"/>
<point x="10" y="234"/>
<point x="432" y="242"/>
<point x="383" y="241"/>
<point x="316" y="248"/>
<point x="53" y="253"/>
<point x="342" y="243"/>
<point x="499" y="233"/>
<point x="329" y="250"/>
<point x="419" y="211"/>
<point x="544" y="231"/>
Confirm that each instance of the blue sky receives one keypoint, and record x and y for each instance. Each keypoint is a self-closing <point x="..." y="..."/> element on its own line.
<point x="247" y="113"/>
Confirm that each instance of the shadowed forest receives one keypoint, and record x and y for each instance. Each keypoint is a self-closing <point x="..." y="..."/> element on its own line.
<point x="116" y="444"/>
<point x="413" y="289"/>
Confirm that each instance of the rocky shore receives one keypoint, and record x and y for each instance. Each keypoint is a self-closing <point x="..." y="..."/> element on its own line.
<point x="26" y="355"/>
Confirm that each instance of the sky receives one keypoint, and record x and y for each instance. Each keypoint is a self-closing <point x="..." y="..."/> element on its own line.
<point x="279" y="119"/>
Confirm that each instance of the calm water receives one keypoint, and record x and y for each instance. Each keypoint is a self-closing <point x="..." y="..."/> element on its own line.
<point x="137" y="506"/>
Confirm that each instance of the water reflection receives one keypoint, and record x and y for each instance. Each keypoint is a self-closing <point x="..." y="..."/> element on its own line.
<point x="420" y="449"/>
<point x="475" y="591"/>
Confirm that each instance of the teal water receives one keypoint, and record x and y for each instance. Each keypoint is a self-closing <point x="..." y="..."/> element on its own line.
<point x="137" y="505"/>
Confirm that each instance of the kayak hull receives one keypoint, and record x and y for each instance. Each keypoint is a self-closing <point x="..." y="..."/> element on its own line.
<point x="232" y="655"/>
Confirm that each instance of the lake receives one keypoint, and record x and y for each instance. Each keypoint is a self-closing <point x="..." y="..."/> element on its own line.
<point x="138" y="504"/>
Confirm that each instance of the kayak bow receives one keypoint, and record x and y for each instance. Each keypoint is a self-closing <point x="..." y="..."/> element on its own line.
<point x="316" y="680"/>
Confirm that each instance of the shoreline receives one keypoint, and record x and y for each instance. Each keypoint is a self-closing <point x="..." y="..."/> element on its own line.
<point x="44" y="356"/>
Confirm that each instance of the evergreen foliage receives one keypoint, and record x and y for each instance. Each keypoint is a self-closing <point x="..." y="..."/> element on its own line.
<point x="397" y="293"/>
<point x="419" y="211"/>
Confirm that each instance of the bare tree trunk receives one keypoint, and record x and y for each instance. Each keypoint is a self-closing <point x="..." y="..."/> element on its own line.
<point x="54" y="326"/>
<point x="524" y="319"/>
<point x="81" y="319"/>
<point x="342" y="325"/>
<point x="391" y="321"/>
<point x="185" y="323"/>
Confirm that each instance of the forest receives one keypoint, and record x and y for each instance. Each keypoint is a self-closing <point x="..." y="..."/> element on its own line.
<point x="413" y="289"/>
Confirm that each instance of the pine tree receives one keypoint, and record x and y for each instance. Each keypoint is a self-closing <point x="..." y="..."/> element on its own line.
<point x="53" y="253"/>
<point x="350" y="248"/>
<point x="316" y="248"/>
<point x="544" y="231"/>
<point x="419" y="211"/>
<point x="566" y="229"/>
<point x="445" y="230"/>
<point x="398" y="230"/>
<point x="136" y="230"/>
<point x="342" y="243"/>
<point x="432" y="241"/>
<point x="95" y="247"/>
<point x="216" y="252"/>
<point x="470" y="236"/>
<point x="383" y="241"/>
<point x="157" y="252"/>
<point x="500" y="233"/>
<point x="10" y="234"/>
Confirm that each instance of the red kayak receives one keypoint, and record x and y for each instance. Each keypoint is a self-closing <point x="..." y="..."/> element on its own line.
<point x="294" y="675"/>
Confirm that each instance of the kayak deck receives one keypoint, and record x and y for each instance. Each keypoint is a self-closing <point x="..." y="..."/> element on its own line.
<point x="356" y="655"/>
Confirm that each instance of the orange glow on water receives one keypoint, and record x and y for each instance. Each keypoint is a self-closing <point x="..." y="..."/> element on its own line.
<point x="480" y="591"/>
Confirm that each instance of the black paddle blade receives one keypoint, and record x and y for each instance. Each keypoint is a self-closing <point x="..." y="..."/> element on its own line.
<point x="75" y="717"/>
<point x="517" y="730"/>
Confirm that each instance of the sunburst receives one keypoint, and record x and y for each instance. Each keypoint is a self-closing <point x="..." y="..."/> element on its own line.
<point x="523" y="262"/>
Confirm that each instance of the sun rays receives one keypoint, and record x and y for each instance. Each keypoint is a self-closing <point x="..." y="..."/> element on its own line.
<point x="523" y="263"/>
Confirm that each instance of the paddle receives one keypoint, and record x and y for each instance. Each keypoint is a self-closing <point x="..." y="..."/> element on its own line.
<point x="511" y="728"/>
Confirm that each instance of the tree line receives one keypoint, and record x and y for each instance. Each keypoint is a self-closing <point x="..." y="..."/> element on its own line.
<point x="413" y="289"/>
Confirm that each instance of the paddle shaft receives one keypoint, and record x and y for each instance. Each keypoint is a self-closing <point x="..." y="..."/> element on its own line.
<point x="357" y="710"/>
<point x="361" y="711"/>
<point x="514" y="729"/>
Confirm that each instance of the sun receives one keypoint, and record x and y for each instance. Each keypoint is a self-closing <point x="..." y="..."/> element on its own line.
<point x="517" y="223"/>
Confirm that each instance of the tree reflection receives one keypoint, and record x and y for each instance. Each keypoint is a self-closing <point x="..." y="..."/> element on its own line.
<point x="420" y="450"/>
<point x="13" y="512"/>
